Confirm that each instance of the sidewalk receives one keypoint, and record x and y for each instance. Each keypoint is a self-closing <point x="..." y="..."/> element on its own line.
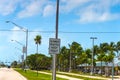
<point x="61" y="76"/>
<point x="95" y="77"/>
<point x="10" y="74"/>
<point x="71" y="78"/>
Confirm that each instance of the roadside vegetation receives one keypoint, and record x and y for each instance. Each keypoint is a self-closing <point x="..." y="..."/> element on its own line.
<point x="31" y="75"/>
<point x="71" y="57"/>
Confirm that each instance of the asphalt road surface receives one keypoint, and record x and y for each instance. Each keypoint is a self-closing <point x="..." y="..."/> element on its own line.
<point x="10" y="74"/>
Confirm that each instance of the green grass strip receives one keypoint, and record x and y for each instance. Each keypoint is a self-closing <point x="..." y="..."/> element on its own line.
<point x="30" y="75"/>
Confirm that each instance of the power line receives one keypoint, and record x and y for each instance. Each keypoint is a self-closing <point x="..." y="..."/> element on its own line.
<point x="74" y="32"/>
<point x="8" y="30"/>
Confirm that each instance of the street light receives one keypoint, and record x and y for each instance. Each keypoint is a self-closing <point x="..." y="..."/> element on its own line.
<point x="93" y="38"/>
<point x="20" y="56"/>
<point x="17" y="42"/>
<point x="22" y="52"/>
<point x="70" y="66"/>
<point x="25" y="30"/>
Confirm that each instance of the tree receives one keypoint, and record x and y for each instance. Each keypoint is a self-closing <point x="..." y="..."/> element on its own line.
<point x="38" y="61"/>
<point x="31" y="61"/>
<point x="37" y="40"/>
<point x="101" y="53"/>
<point x="95" y="52"/>
<point x="118" y="48"/>
<point x="109" y="56"/>
<point x="75" y="50"/>
<point x="63" y="59"/>
<point x="14" y="64"/>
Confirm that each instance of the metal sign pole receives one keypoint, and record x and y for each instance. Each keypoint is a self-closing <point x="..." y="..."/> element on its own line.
<point x="56" y="36"/>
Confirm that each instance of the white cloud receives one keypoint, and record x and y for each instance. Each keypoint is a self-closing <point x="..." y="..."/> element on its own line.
<point x="48" y="10"/>
<point x="68" y="6"/>
<point x="115" y="2"/>
<point x="97" y="17"/>
<point x="33" y="8"/>
<point x="8" y="6"/>
<point x="87" y="10"/>
<point x="98" y="11"/>
<point x="27" y="8"/>
<point x="16" y="35"/>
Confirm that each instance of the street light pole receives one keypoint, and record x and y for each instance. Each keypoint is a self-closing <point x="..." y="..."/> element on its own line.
<point x="21" y="51"/>
<point x="22" y="57"/>
<point x="18" y="42"/>
<point x="25" y="30"/>
<point x="26" y="47"/>
<point x="70" y="66"/>
<point x="70" y="63"/>
<point x="93" y="38"/>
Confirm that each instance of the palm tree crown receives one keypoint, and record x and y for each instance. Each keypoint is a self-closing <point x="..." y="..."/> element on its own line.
<point x="37" y="40"/>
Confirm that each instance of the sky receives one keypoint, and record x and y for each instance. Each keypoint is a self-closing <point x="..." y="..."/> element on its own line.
<point x="78" y="21"/>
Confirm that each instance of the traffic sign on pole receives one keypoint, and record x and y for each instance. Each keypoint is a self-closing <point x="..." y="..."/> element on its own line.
<point x="54" y="46"/>
<point x="24" y="49"/>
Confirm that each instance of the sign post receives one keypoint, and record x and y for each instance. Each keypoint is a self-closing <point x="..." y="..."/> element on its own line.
<point x="56" y="36"/>
<point x="54" y="46"/>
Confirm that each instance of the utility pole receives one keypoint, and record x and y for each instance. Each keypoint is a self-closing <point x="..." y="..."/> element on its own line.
<point x="56" y="36"/>
<point x="93" y="38"/>
<point x="25" y="30"/>
<point x="23" y="51"/>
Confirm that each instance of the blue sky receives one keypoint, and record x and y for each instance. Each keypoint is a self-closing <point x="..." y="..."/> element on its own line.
<point x="39" y="15"/>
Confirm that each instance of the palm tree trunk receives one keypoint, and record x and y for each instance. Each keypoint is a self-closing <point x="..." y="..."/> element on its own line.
<point x="37" y="49"/>
<point x="37" y="53"/>
<point x="70" y="63"/>
<point x="37" y="70"/>
<point x="101" y="68"/>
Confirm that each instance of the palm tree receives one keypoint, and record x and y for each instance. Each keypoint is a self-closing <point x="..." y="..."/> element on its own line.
<point x="101" y="53"/>
<point x="84" y="58"/>
<point x="112" y="48"/>
<point x="109" y="56"/>
<point x="102" y="56"/>
<point x="118" y="48"/>
<point x="37" y="40"/>
<point x="96" y="51"/>
<point x="63" y="59"/>
<point x="75" y="49"/>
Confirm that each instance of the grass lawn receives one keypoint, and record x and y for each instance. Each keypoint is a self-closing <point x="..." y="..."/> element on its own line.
<point x="30" y="75"/>
<point x="79" y="77"/>
<point x="74" y="76"/>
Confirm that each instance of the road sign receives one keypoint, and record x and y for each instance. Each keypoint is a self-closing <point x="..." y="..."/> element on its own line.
<point x="119" y="58"/>
<point x="54" y="46"/>
<point x="24" y="49"/>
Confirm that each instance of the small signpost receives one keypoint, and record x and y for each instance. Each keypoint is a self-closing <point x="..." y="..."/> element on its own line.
<point x="24" y="49"/>
<point x="54" y="46"/>
<point x="119" y="58"/>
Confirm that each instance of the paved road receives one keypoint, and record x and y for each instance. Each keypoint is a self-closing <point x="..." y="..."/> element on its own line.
<point x="10" y="74"/>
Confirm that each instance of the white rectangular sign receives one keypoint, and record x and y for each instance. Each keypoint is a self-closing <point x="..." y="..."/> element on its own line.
<point x="54" y="46"/>
<point x="24" y="49"/>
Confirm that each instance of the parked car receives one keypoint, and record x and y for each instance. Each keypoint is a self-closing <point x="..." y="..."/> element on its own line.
<point x="8" y="66"/>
